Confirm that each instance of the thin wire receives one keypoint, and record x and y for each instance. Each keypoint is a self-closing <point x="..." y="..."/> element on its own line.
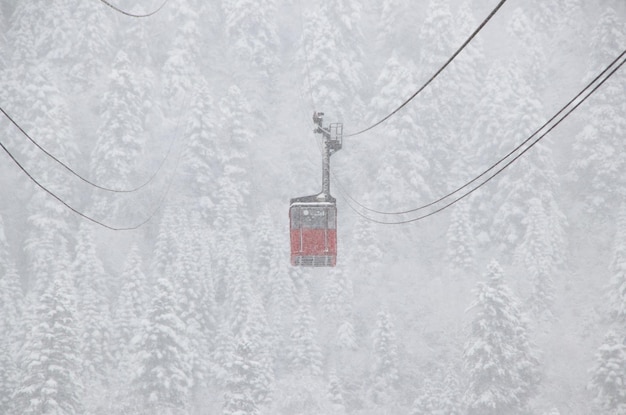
<point x="117" y="9"/>
<point x="89" y="218"/>
<point x="432" y="78"/>
<point x="501" y="169"/>
<point x="108" y="189"/>
<point x="569" y="103"/>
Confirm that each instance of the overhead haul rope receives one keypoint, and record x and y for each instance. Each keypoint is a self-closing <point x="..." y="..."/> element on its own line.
<point x="493" y="166"/>
<point x="67" y="205"/>
<point x="563" y="117"/>
<point x="432" y="78"/>
<point x="117" y="9"/>
<point x="108" y="189"/>
<point x="89" y="218"/>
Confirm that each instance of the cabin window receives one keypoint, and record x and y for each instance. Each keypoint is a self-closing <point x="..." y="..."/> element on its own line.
<point x="312" y="217"/>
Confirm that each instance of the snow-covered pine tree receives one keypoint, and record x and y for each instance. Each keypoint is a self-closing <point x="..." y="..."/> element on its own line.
<point x="11" y="295"/>
<point x="11" y="304"/>
<point x="42" y="26"/>
<point x="337" y="303"/>
<point x="47" y="121"/>
<point x="20" y="34"/>
<point x="402" y="166"/>
<point x="242" y="385"/>
<point x="499" y="357"/>
<point x="427" y="402"/>
<point x="533" y="176"/>
<point x="249" y="375"/>
<point x="365" y="245"/>
<point x="461" y="239"/>
<point x="467" y="74"/>
<point x="599" y="159"/>
<point x="321" y="66"/>
<point x="434" y="48"/>
<point x="301" y="388"/>
<point x="346" y="16"/>
<point x="49" y="231"/>
<point x="466" y="69"/>
<point x="3" y="42"/>
<point x="529" y="27"/>
<point x="92" y="49"/>
<point x="510" y="111"/>
<point x="395" y="23"/>
<point x="251" y="334"/>
<point x="264" y="240"/>
<point x="346" y="335"/>
<point x="438" y="397"/>
<point x="544" y="16"/>
<point x="188" y="283"/>
<point x="609" y="374"/>
<point x="7" y="374"/>
<point x="335" y="395"/>
<point x="251" y="29"/>
<point x="181" y="70"/>
<point x="281" y="299"/>
<point x="334" y="296"/>
<point x="129" y="318"/>
<point x="222" y="354"/>
<point x="617" y="287"/>
<point x="16" y="63"/>
<point x="131" y="305"/>
<point x="305" y="354"/>
<point x="452" y="394"/>
<point x="93" y="297"/>
<point x="231" y="213"/>
<point x="207" y="314"/>
<point x="163" y="377"/>
<point x="570" y="18"/>
<point x="200" y="167"/>
<point x="167" y="242"/>
<point x="136" y="39"/>
<point x="437" y="106"/>
<point x="384" y="371"/>
<point x="49" y="380"/>
<point x="536" y="256"/>
<point x="120" y="136"/>
<point x="55" y="33"/>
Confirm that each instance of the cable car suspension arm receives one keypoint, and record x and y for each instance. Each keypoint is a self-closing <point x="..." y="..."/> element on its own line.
<point x="332" y="142"/>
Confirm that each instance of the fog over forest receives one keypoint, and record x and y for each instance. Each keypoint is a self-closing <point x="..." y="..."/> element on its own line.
<point x="176" y="141"/>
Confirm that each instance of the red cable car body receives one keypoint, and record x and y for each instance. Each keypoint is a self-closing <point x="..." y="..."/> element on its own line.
<point x="313" y="231"/>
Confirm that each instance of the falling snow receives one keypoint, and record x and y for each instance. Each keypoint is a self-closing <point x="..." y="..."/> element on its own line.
<point x="510" y="301"/>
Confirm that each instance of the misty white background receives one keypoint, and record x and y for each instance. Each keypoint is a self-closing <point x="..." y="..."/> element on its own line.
<point x="509" y="302"/>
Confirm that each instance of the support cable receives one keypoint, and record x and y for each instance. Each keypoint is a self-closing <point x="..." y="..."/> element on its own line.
<point x="89" y="218"/>
<point x="69" y="169"/>
<point x="117" y="9"/>
<point x="67" y="205"/>
<point x="432" y="78"/>
<point x="501" y="160"/>
<point x="583" y="99"/>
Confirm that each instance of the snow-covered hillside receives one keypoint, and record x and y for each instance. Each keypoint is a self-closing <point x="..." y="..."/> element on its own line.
<point x="196" y="125"/>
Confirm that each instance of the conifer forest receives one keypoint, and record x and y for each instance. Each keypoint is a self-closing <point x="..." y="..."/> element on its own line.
<point x="147" y="166"/>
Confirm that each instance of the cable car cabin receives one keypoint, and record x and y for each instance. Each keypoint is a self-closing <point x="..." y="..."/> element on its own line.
<point x="313" y="223"/>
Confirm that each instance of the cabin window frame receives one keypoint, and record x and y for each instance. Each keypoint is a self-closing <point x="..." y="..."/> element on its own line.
<point x="317" y="217"/>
